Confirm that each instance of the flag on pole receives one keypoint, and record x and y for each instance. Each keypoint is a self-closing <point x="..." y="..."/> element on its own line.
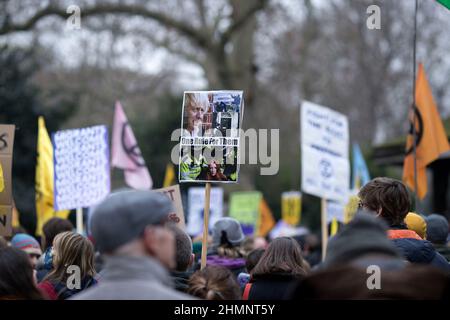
<point x="266" y="220"/>
<point x="445" y="3"/>
<point x="44" y="179"/>
<point x="360" y="172"/>
<point x="126" y="154"/>
<point x="431" y="139"/>
<point x="169" y="178"/>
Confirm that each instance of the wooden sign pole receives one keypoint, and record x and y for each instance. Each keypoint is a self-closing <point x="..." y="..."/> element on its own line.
<point x="205" y="225"/>
<point x="324" y="227"/>
<point x="80" y="220"/>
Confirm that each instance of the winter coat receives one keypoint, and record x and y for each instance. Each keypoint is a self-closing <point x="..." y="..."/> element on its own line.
<point x="180" y="280"/>
<point x="60" y="291"/>
<point x="235" y="265"/>
<point x="133" y="278"/>
<point x="272" y="286"/>
<point x="416" y="250"/>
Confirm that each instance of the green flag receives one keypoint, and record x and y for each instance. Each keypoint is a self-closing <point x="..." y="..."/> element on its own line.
<point x="445" y="3"/>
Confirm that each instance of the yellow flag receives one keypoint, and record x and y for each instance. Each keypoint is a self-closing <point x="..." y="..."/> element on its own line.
<point x="431" y="139"/>
<point x="266" y="220"/>
<point x="169" y="178"/>
<point x="44" y="180"/>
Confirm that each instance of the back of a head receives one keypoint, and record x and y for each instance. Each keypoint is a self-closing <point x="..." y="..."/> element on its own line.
<point x="437" y="229"/>
<point x="364" y="235"/>
<point x="253" y="258"/>
<point x="183" y="244"/>
<point x="283" y="255"/>
<point x="123" y="216"/>
<point x="214" y="283"/>
<point x="16" y="275"/>
<point x="53" y="227"/>
<point x="388" y="197"/>
<point x="71" y="248"/>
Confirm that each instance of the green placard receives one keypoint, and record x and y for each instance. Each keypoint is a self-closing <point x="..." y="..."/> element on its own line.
<point x="244" y="206"/>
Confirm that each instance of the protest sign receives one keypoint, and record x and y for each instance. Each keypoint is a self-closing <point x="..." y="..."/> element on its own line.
<point x="6" y="199"/>
<point x="196" y="200"/>
<point x="5" y="220"/>
<point x="209" y="144"/>
<point x="325" y="152"/>
<point x="244" y="207"/>
<point x="291" y="203"/>
<point x="174" y="194"/>
<point x="81" y="167"/>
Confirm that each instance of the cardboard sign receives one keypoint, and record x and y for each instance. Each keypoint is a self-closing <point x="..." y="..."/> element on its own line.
<point x="196" y="201"/>
<point x="6" y="199"/>
<point x="291" y="204"/>
<point x="81" y="167"/>
<point x="325" y="152"/>
<point x="6" y="221"/>
<point x="244" y="207"/>
<point x="174" y="194"/>
<point x="209" y="144"/>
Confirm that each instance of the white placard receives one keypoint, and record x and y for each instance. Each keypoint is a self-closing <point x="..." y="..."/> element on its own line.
<point x="325" y="152"/>
<point x="81" y="164"/>
<point x="196" y="199"/>
<point x="335" y="210"/>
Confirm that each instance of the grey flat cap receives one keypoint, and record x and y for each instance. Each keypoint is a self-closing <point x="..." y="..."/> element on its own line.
<point x="230" y="228"/>
<point x="123" y="216"/>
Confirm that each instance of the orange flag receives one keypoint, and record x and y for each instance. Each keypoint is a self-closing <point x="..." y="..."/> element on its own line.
<point x="266" y="220"/>
<point x="431" y="139"/>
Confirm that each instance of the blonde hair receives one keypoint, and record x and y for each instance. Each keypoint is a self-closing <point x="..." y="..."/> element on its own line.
<point x="71" y="249"/>
<point x="197" y="98"/>
<point x="214" y="283"/>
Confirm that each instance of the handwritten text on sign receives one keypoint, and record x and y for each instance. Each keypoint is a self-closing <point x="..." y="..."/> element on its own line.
<point x="81" y="162"/>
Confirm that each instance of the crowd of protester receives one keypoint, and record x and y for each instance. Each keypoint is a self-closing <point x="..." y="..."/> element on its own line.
<point x="135" y="251"/>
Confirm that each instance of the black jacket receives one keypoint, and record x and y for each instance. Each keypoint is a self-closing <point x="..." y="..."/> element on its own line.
<point x="273" y="286"/>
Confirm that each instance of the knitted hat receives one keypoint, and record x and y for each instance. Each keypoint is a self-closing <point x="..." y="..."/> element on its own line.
<point x="227" y="230"/>
<point x="26" y="243"/>
<point x="437" y="228"/>
<point x="417" y="224"/>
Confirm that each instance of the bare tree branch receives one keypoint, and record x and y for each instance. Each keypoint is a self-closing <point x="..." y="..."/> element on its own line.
<point x="197" y="36"/>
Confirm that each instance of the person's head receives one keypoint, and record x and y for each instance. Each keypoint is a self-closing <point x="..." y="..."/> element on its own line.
<point x="386" y="197"/>
<point x="283" y="255"/>
<point x="213" y="167"/>
<point x="214" y="283"/>
<point x="72" y="249"/>
<point x="253" y="258"/>
<point x="29" y="245"/>
<point x="196" y="104"/>
<point x="133" y="223"/>
<point x="417" y="224"/>
<point x="17" y="275"/>
<point x="53" y="227"/>
<point x="437" y="229"/>
<point x="227" y="237"/>
<point x="183" y="245"/>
